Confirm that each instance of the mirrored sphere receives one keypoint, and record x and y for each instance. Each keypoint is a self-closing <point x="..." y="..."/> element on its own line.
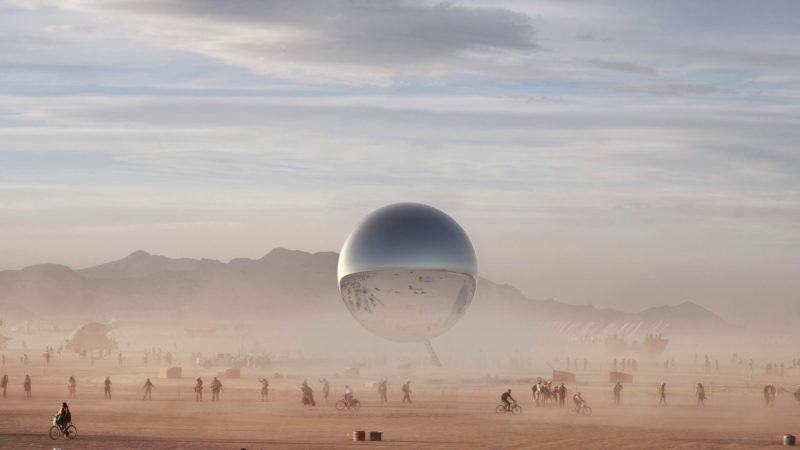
<point x="407" y="272"/>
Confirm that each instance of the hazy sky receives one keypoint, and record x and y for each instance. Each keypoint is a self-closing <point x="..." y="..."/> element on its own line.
<point x="627" y="153"/>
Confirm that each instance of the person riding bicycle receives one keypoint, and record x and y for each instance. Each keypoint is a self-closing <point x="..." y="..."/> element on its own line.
<point x="63" y="417"/>
<point x="505" y="399"/>
<point x="579" y="401"/>
<point x="348" y="394"/>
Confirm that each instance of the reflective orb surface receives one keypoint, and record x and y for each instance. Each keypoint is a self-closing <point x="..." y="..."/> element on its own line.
<point x="407" y="272"/>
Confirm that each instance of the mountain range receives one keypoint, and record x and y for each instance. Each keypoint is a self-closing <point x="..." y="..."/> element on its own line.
<point x="285" y="283"/>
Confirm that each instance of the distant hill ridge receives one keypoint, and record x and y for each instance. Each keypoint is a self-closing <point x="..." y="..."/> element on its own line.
<point x="282" y="281"/>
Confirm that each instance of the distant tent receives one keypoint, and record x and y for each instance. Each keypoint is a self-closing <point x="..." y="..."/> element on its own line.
<point x="233" y="372"/>
<point x="622" y="377"/>
<point x="171" y="372"/>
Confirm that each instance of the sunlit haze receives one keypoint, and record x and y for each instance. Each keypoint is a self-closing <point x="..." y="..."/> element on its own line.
<point x="625" y="154"/>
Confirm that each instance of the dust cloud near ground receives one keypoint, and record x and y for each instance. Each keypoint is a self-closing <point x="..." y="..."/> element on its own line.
<point x="453" y="406"/>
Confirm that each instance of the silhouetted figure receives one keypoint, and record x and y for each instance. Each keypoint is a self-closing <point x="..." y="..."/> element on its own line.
<point x="326" y="388"/>
<point x="769" y="395"/>
<point x="4" y="385"/>
<point x="264" y="389"/>
<point x="382" y="390"/>
<point x="308" y="394"/>
<point x="216" y="386"/>
<point x="198" y="390"/>
<point x="63" y="417"/>
<point x="662" y="394"/>
<point x="72" y="386"/>
<point x="107" y="388"/>
<point x="617" y="392"/>
<point x="701" y="394"/>
<point x="119" y="359"/>
<point x="562" y="395"/>
<point x="407" y="391"/>
<point x="148" y="390"/>
<point x="27" y="386"/>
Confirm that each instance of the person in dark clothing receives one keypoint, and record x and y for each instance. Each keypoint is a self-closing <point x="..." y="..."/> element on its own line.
<point x="506" y="398"/>
<point x="63" y="417"/>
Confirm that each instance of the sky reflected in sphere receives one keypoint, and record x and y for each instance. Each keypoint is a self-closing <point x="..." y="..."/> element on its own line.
<point x="408" y="272"/>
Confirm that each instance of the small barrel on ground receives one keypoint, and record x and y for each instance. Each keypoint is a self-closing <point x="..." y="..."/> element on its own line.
<point x="788" y="439"/>
<point x="375" y="435"/>
<point x="359" y="435"/>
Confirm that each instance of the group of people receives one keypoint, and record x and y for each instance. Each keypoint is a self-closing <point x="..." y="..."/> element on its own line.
<point x="307" y="393"/>
<point x="506" y="398"/>
<point x="383" y="391"/>
<point x="544" y="393"/>
<point x="216" y="388"/>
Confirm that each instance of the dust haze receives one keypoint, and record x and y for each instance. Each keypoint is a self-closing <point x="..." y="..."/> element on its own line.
<point x="280" y="319"/>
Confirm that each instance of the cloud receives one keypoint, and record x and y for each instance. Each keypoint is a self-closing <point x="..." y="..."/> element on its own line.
<point x="669" y="89"/>
<point x="67" y="28"/>
<point x="331" y="41"/>
<point x="622" y="66"/>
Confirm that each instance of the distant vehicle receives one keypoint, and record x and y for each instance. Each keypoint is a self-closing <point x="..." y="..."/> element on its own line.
<point x="220" y="359"/>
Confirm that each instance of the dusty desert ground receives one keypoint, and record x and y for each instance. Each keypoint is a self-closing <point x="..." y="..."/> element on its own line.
<point x="450" y="410"/>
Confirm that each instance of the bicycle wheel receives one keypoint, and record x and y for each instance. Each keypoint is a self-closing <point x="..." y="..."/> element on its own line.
<point x="501" y="409"/>
<point x="587" y="410"/>
<point x="516" y="409"/>
<point x="54" y="432"/>
<point x="340" y="405"/>
<point x="72" y="432"/>
<point x="356" y="405"/>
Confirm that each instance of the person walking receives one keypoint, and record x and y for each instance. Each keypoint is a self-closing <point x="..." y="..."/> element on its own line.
<point x="216" y="386"/>
<point x="407" y="391"/>
<point x="617" y="392"/>
<point x="701" y="394"/>
<point x="383" y="391"/>
<point x="27" y="386"/>
<point x="198" y="390"/>
<point x="72" y="386"/>
<point x="264" y="389"/>
<point x="326" y="388"/>
<point x="107" y="388"/>
<point x="148" y="390"/>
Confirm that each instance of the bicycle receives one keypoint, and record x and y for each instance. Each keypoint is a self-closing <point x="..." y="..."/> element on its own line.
<point x="69" y="431"/>
<point x="352" y="404"/>
<point x="584" y="409"/>
<point x="514" y="408"/>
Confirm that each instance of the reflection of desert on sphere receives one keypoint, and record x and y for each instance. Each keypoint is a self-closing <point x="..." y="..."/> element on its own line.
<point x="407" y="272"/>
